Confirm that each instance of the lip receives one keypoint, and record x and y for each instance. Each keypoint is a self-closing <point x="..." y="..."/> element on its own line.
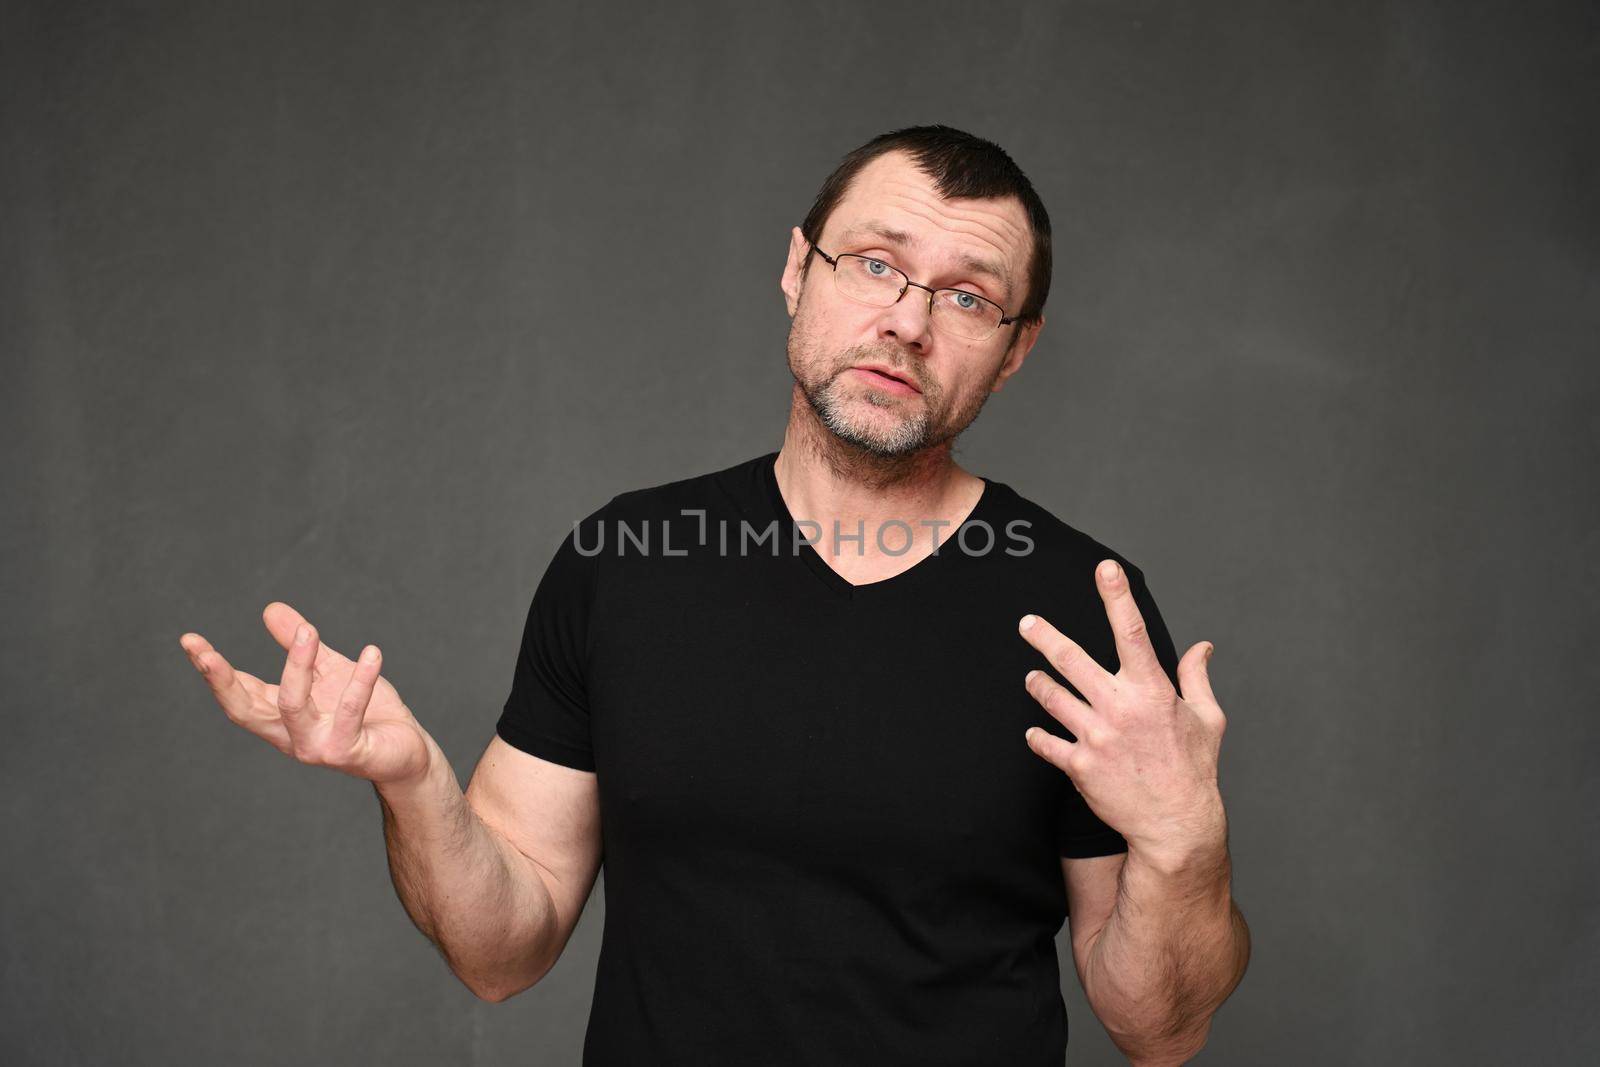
<point x="884" y="378"/>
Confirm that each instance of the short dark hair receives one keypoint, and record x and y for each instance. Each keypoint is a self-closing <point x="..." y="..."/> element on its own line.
<point x="961" y="165"/>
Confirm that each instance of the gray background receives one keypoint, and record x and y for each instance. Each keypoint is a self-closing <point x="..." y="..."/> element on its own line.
<point x="360" y="305"/>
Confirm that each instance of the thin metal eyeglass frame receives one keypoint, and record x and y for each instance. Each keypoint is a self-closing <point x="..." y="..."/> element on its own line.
<point x="833" y="262"/>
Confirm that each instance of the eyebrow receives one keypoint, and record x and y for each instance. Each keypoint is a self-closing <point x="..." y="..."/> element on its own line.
<point x="970" y="263"/>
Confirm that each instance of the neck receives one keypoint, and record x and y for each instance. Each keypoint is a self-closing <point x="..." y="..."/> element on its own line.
<point x="824" y="479"/>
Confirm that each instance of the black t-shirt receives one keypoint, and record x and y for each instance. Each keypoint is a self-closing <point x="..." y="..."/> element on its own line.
<point x="825" y="839"/>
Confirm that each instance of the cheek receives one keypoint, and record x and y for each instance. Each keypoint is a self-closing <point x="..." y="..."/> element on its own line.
<point x="814" y="347"/>
<point x="810" y="322"/>
<point x="986" y="368"/>
<point x="958" y="383"/>
<point x="831" y="335"/>
<point x="805" y="330"/>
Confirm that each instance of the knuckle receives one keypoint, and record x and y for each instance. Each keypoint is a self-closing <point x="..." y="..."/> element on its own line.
<point x="1063" y="656"/>
<point x="1154" y="694"/>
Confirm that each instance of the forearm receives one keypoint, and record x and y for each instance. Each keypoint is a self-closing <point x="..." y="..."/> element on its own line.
<point x="1174" y="948"/>
<point x="480" y="901"/>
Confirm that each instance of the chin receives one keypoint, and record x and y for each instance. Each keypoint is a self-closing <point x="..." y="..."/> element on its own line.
<point x="871" y="435"/>
<point x="879" y="423"/>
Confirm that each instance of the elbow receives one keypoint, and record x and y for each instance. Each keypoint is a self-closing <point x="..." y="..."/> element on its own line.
<point x="496" y="989"/>
<point x="1169" y="1051"/>
<point x="485" y="987"/>
<point x="493" y="994"/>
<point x="516" y="965"/>
<point x="1167" y="1038"/>
<point x="1173" y="1060"/>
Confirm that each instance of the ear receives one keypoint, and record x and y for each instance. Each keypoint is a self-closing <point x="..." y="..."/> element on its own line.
<point x="1023" y="343"/>
<point x="799" y="248"/>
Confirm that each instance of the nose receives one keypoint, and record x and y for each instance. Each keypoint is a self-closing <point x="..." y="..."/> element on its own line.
<point x="909" y="319"/>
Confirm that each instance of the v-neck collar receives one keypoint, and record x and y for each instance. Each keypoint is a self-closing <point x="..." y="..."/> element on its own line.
<point x="928" y="566"/>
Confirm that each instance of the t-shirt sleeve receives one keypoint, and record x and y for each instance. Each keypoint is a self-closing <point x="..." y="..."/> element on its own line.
<point x="547" y="713"/>
<point x="1083" y="833"/>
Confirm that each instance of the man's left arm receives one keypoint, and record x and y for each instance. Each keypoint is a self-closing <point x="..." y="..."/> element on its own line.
<point x="1157" y="939"/>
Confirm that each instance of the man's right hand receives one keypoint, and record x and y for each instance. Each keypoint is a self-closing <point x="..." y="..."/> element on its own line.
<point x="328" y="710"/>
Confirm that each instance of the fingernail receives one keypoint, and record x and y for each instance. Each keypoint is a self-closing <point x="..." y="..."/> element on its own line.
<point x="369" y="655"/>
<point x="1028" y="734"/>
<point x="302" y="634"/>
<point x="1108" y="570"/>
<point x="1210" y="648"/>
<point x="1026" y="678"/>
<point x="1027" y="621"/>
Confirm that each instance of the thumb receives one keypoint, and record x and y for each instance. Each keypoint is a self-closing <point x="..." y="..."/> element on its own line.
<point x="1194" y="674"/>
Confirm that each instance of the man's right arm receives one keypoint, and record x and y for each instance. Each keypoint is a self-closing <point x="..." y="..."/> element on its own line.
<point x="495" y="877"/>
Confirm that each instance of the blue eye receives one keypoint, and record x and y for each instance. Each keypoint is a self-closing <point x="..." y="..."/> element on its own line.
<point x="966" y="301"/>
<point x="871" y="263"/>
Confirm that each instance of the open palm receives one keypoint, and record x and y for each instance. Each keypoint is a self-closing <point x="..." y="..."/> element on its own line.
<point x="327" y="710"/>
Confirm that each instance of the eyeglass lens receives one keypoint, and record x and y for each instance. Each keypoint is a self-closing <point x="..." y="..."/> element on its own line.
<point x="874" y="282"/>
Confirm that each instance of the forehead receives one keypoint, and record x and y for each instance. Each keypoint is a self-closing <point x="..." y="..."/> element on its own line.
<point x="892" y="193"/>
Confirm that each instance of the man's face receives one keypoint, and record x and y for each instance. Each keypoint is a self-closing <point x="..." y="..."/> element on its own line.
<point x="945" y="379"/>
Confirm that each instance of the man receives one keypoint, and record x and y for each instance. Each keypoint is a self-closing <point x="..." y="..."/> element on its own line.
<point x="791" y="705"/>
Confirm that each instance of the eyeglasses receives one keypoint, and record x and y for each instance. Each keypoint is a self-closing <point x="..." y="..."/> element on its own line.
<point x="875" y="283"/>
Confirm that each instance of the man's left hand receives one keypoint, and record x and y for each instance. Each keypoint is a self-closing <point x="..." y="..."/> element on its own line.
<point x="1145" y="758"/>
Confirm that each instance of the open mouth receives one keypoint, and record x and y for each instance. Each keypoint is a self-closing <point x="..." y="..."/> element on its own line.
<point x="886" y="379"/>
